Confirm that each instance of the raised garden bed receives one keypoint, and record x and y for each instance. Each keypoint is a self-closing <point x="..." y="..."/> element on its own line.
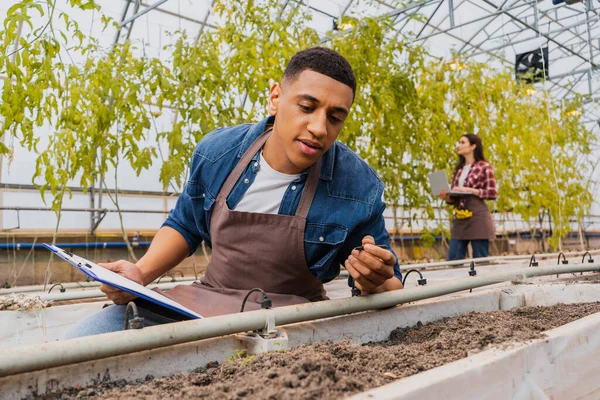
<point x="341" y="369"/>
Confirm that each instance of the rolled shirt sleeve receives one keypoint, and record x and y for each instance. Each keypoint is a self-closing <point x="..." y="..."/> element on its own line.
<point x="189" y="217"/>
<point x="181" y="219"/>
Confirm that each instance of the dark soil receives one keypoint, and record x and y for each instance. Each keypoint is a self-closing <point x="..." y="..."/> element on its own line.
<point x="334" y="370"/>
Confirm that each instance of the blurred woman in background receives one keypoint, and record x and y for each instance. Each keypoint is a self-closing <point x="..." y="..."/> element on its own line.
<point x="474" y="179"/>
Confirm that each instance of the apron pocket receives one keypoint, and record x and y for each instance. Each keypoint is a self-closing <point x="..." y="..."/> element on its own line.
<point x="323" y="241"/>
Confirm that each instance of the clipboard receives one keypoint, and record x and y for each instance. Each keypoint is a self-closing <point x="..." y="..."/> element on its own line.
<point x="103" y="275"/>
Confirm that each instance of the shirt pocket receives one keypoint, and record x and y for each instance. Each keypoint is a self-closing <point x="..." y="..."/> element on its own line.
<point x="322" y="242"/>
<point x="199" y="195"/>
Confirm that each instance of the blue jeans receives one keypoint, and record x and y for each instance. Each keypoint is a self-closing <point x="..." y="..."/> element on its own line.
<point x="458" y="248"/>
<point x="112" y="319"/>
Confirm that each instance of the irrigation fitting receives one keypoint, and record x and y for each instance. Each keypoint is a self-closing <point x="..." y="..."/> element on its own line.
<point x="62" y="288"/>
<point x="265" y="303"/>
<point x="421" y="281"/>
<point x="533" y="262"/>
<point x="167" y="274"/>
<point x="355" y="291"/>
<point x="472" y="271"/>
<point x="590" y="259"/>
<point x="564" y="260"/>
<point x="136" y="322"/>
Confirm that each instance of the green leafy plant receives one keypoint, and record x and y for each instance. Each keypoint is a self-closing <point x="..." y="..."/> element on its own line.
<point x="409" y="111"/>
<point x="240" y="355"/>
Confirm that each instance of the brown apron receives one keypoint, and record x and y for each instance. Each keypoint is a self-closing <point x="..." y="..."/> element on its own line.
<point x="254" y="250"/>
<point x="479" y="226"/>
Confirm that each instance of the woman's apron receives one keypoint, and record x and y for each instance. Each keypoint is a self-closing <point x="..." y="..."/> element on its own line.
<point x="254" y="250"/>
<point x="479" y="226"/>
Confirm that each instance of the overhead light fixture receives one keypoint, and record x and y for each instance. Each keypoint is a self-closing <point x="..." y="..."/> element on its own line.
<point x="456" y="65"/>
<point x="573" y="113"/>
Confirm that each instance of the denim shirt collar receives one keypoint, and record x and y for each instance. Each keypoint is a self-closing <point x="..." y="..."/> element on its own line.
<point x="257" y="129"/>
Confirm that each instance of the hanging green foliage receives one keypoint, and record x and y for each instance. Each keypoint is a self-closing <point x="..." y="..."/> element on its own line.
<point x="409" y="111"/>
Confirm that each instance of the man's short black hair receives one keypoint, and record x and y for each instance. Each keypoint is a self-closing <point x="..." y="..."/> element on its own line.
<point x="324" y="61"/>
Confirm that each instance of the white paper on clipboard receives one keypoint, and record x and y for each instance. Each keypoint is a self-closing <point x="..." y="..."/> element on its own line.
<point x="108" y="277"/>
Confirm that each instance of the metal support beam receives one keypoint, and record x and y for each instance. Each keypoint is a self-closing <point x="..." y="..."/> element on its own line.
<point x="86" y="210"/>
<point x="513" y="42"/>
<point x="383" y="3"/>
<point x="536" y="22"/>
<point x="411" y="7"/>
<point x="3" y="139"/>
<point x="540" y="33"/>
<point x="348" y="4"/>
<point x="572" y="86"/>
<point x="588" y="7"/>
<point x="429" y="19"/>
<point x="442" y="31"/>
<point x="124" y="14"/>
<point x="16" y="187"/>
<point x="575" y="72"/>
<point x="136" y="15"/>
<point x="101" y="215"/>
<point x="497" y="12"/>
<point x="183" y="17"/>
<point x="557" y="31"/>
<point x="301" y="2"/>
<point x="451" y="12"/>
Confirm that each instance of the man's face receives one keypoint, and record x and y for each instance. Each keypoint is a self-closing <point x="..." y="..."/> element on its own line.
<point x="310" y="113"/>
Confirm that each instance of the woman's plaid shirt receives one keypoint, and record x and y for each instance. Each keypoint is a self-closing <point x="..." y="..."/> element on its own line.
<point x="481" y="176"/>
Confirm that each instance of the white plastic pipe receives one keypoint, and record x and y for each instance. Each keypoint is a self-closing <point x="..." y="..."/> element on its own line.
<point x="538" y="257"/>
<point x="65" y="352"/>
<point x="541" y="256"/>
<point x="419" y="266"/>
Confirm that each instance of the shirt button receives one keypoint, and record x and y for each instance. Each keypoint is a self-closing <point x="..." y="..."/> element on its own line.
<point x="256" y="164"/>
<point x="246" y="180"/>
<point x="294" y="187"/>
<point x="321" y="238"/>
<point x="202" y="194"/>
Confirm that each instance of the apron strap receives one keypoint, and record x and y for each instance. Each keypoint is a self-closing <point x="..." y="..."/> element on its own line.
<point x="310" y="188"/>
<point x="243" y="163"/>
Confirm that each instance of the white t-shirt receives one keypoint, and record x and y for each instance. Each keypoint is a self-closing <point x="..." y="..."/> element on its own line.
<point x="463" y="175"/>
<point x="267" y="190"/>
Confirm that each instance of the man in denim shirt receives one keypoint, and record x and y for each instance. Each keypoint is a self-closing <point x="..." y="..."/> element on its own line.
<point x="281" y="203"/>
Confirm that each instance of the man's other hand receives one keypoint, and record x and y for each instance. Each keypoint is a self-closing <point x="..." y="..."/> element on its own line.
<point x="129" y="271"/>
<point x="371" y="267"/>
